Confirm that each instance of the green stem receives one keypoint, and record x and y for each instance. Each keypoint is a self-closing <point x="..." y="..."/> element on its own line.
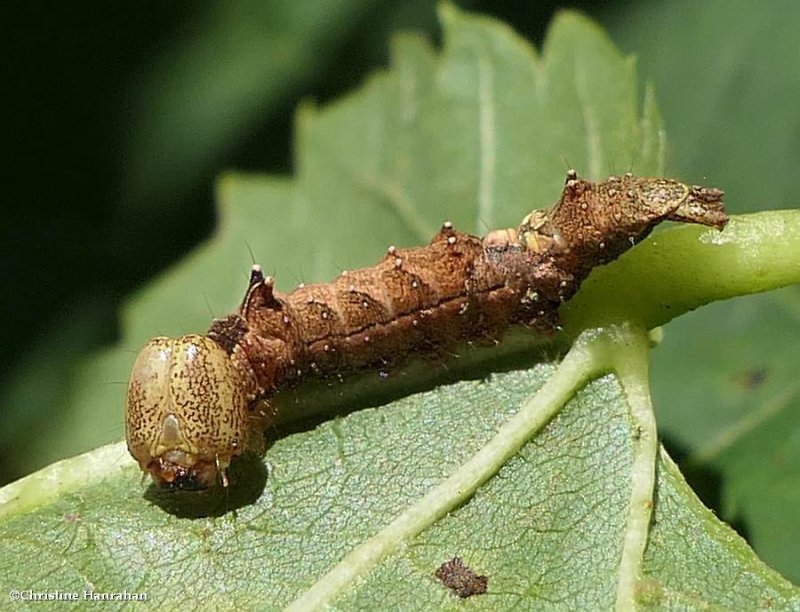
<point x="683" y="268"/>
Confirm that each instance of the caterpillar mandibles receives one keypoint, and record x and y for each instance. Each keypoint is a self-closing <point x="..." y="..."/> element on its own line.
<point x="196" y="402"/>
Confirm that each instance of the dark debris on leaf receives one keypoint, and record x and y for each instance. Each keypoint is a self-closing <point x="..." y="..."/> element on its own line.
<point x="460" y="579"/>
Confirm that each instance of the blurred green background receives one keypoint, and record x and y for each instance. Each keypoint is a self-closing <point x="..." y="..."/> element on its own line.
<point x="120" y="116"/>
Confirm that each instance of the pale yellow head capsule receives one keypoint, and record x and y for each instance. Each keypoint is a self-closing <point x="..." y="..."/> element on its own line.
<point x="188" y="411"/>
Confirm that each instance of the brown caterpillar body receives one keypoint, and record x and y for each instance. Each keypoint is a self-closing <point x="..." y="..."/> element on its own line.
<point x="196" y="402"/>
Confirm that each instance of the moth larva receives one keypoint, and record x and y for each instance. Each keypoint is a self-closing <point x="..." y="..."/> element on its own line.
<point x="196" y="402"/>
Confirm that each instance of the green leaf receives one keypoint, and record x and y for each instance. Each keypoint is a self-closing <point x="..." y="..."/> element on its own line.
<point x="475" y="134"/>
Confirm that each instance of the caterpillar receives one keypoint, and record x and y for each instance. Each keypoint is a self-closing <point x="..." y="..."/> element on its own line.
<point x="196" y="402"/>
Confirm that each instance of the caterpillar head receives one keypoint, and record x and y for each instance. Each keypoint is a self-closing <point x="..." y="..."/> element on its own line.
<point x="188" y="411"/>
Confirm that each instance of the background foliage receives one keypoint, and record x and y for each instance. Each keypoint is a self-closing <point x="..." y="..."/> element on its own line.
<point x="123" y="117"/>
